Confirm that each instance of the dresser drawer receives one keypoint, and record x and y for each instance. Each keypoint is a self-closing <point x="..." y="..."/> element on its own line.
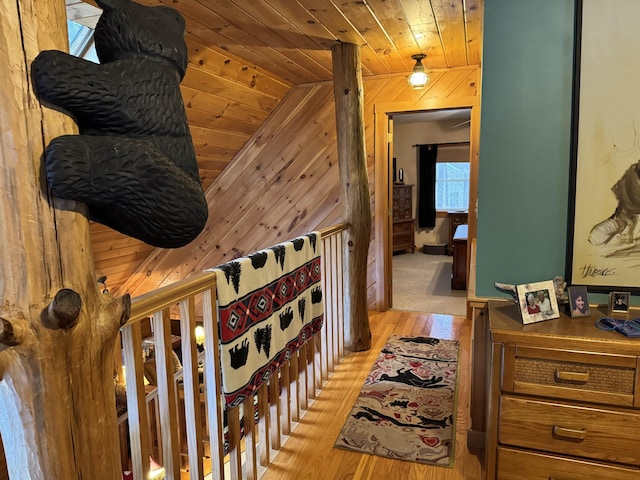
<point x="403" y="227"/>
<point x="519" y="465"/>
<point x="403" y="235"/>
<point x="402" y="209"/>
<point x="402" y="202"/>
<point x="608" y="379"/>
<point x="588" y="432"/>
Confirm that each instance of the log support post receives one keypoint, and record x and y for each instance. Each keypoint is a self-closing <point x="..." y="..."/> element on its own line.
<point x="352" y="160"/>
<point x="57" y="331"/>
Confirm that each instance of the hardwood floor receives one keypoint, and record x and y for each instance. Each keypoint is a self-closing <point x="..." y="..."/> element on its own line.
<point x="309" y="453"/>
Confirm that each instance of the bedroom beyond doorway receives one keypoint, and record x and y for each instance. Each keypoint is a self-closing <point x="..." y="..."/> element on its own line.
<point x="422" y="283"/>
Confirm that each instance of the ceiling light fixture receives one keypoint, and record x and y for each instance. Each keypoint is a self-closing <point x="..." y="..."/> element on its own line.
<point x="418" y="78"/>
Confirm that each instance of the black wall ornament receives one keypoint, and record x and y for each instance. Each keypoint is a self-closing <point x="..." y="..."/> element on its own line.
<point x="133" y="163"/>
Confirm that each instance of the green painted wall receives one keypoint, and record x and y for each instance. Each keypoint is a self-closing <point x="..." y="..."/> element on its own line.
<point x="525" y="140"/>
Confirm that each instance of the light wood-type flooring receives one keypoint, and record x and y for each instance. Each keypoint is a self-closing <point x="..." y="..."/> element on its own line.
<point x="309" y="453"/>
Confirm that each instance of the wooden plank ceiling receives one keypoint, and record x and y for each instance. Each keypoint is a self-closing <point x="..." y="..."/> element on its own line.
<point x="246" y="55"/>
<point x="288" y="183"/>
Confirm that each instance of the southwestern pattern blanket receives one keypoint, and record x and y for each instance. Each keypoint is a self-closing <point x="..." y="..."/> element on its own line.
<point x="269" y="305"/>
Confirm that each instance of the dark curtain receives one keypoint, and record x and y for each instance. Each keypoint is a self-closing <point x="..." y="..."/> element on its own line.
<point x="427" y="185"/>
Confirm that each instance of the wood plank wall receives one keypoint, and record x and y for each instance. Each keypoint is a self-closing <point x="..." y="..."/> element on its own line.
<point x="226" y="102"/>
<point x="284" y="181"/>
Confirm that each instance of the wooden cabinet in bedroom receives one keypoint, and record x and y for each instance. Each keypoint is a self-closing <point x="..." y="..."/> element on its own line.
<point x="403" y="221"/>
<point x="455" y="219"/>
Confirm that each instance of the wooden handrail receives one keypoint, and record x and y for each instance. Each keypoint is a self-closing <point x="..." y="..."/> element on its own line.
<point x="290" y="391"/>
<point x="145" y="305"/>
<point x="333" y="230"/>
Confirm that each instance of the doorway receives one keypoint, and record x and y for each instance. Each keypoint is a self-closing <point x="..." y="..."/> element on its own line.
<point x="385" y="146"/>
<point x="421" y="274"/>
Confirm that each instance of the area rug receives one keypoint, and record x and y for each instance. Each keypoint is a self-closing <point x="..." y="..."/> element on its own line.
<point x="406" y="408"/>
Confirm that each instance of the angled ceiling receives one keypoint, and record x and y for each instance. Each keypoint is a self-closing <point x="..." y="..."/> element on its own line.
<point x="245" y="57"/>
<point x="293" y="38"/>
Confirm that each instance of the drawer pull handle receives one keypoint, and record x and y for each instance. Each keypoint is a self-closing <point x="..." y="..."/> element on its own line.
<point x="569" y="433"/>
<point x="575" y="377"/>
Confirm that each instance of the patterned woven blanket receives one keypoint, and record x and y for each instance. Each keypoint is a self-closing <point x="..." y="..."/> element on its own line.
<point x="269" y="305"/>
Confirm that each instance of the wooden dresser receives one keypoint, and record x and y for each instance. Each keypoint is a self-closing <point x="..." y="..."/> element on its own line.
<point x="563" y="399"/>
<point x="403" y="221"/>
<point x="455" y="219"/>
<point x="459" y="273"/>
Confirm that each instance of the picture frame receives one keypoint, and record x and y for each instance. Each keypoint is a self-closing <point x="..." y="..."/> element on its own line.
<point x="603" y="249"/>
<point x="619" y="304"/>
<point x="537" y="301"/>
<point x="578" y="301"/>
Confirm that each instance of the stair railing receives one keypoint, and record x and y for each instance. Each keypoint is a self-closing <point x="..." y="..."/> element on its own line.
<point x="181" y="422"/>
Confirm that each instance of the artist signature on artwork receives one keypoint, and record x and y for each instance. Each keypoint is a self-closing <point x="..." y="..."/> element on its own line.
<point x="594" y="271"/>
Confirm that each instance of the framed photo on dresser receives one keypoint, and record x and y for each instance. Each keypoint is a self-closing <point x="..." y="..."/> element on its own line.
<point x="537" y="301"/>
<point x="619" y="303"/>
<point x="578" y="301"/>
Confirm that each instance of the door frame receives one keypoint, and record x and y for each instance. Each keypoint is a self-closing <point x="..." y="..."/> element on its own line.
<point x="383" y="182"/>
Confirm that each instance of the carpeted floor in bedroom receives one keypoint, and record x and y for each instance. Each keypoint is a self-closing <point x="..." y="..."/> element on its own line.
<point x="422" y="283"/>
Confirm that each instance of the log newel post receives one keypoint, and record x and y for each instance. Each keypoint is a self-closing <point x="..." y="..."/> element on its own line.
<point x="57" y="331"/>
<point x="352" y="160"/>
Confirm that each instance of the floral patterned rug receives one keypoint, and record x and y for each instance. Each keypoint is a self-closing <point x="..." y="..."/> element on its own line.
<point x="406" y="408"/>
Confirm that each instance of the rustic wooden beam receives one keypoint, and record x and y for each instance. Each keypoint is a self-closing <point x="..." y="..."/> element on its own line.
<point x="57" y="400"/>
<point x="352" y="161"/>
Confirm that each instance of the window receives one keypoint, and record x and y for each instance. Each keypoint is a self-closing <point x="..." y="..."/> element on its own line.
<point x="452" y="186"/>
<point x="81" y="41"/>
